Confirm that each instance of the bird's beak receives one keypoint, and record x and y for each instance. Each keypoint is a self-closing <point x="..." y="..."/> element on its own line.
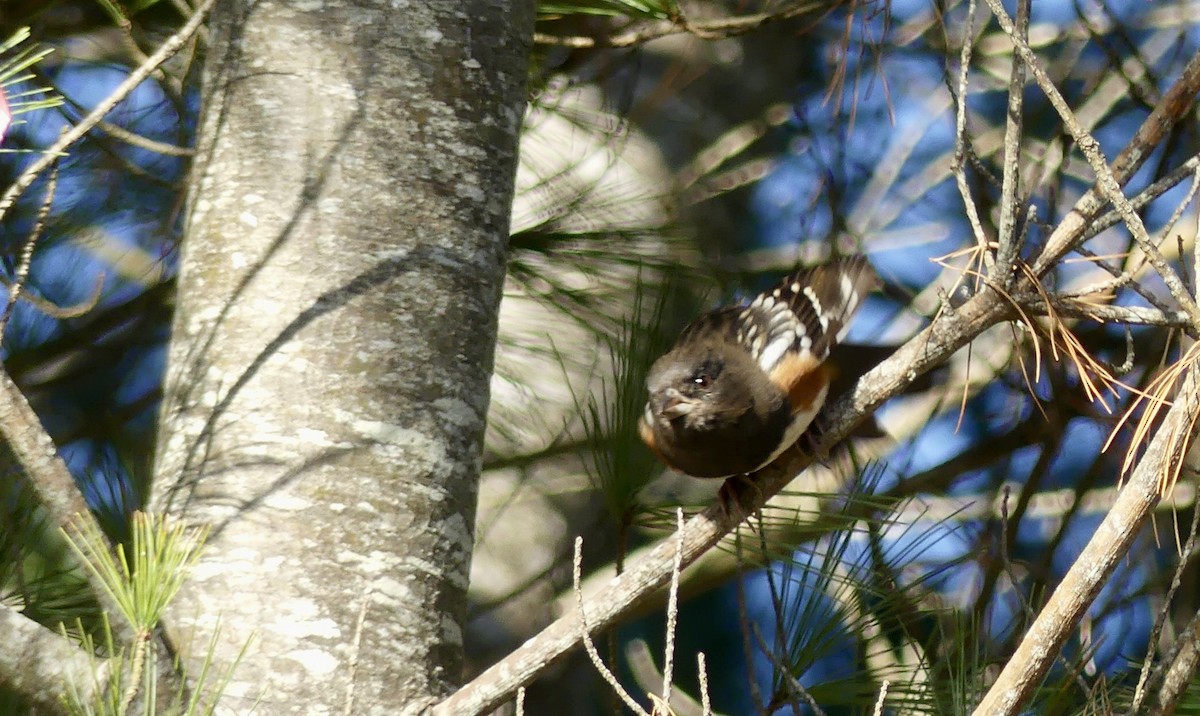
<point x="674" y="405"/>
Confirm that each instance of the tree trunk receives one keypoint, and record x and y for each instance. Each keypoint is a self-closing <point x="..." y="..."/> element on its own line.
<point x="328" y="372"/>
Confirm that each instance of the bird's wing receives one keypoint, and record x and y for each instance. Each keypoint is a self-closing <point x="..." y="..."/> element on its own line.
<point x="790" y="329"/>
<point x="808" y="312"/>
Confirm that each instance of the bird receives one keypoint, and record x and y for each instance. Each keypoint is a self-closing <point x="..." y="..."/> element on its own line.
<point x="742" y="383"/>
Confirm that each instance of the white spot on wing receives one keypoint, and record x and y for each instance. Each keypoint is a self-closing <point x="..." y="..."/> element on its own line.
<point x="850" y="301"/>
<point x="820" y="310"/>
<point x="773" y="353"/>
<point x="848" y="292"/>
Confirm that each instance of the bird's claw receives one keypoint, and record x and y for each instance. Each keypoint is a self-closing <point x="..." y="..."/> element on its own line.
<point x="727" y="497"/>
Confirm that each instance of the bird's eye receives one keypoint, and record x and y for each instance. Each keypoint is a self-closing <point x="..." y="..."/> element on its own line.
<point x="703" y="380"/>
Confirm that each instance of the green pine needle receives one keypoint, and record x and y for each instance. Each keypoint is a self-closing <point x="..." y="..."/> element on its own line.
<point x="141" y="587"/>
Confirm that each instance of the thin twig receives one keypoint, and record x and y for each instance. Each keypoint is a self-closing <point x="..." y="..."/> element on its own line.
<point x="781" y="632"/>
<point x="585" y="636"/>
<point x="1006" y="565"/>
<point x="1181" y="670"/>
<point x="672" y="611"/>
<point x="646" y="674"/>
<point x="1145" y="196"/>
<point x="756" y="696"/>
<point x="22" y="272"/>
<point x="1008" y="244"/>
<point x="1177" y="103"/>
<point x="1121" y="279"/>
<point x="1110" y="187"/>
<point x="1102" y="313"/>
<point x="355" y="648"/>
<point x="707" y="29"/>
<point x="793" y="684"/>
<point x="882" y="699"/>
<point x="960" y="140"/>
<point x="56" y="311"/>
<point x="1139" y="693"/>
<point x="141" y="141"/>
<point x="1177" y="214"/>
<point x="1195" y="243"/>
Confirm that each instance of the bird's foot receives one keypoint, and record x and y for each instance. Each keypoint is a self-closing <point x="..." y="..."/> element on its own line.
<point x="810" y="442"/>
<point x="729" y="500"/>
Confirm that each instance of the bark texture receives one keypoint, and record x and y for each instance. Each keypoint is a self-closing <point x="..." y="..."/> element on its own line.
<point x="328" y="374"/>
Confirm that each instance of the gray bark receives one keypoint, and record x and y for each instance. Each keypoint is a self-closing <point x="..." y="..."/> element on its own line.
<point x="328" y="374"/>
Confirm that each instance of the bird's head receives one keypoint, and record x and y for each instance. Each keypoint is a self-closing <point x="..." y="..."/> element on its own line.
<point x="695" y="390"/>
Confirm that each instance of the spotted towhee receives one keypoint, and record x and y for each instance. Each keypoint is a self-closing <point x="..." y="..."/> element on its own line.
<point x="742" y="383"/>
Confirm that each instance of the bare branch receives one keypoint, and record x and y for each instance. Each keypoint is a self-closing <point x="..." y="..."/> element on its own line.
<point x="882" y="699"/>
<point x="1182" y="668"/>
<point x="1185" y="556"/>
<point x="1079" y="587"/>
<point x="707" y="29"/>
<point x="672" y="611"/>
<point x="55" y="489"/>
<point x="705" y="702"/>
<point x="789" y="680"/>
<point x="1109" y="185"/>
<point x="960" y="139"/>
<point x="1176" y="104"/>
<point x="143" y="142"/>
<point x="1008" y="243"/>
<point x="1145" y="196"/>
<point x="585" y="637"/>
<point x="1104" y="313"/>
<point x="26" y="262"/>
